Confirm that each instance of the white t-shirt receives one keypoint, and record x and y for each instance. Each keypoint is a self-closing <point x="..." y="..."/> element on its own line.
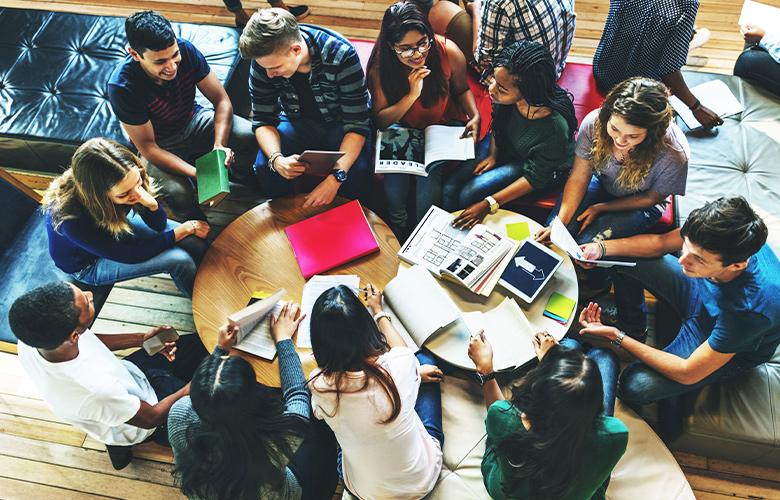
<point x="94" y="392"/>
<point x="397" y="460"/>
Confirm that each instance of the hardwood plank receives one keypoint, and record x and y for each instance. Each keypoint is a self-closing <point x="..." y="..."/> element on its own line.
<point x="730" y="484"/>
<point x="690" y="460"/>
<point x="28" y="407"/>
<point x="161" y="283"/>
<point x="149" y="317"/>
<point x="147" y="451"/>
<point x="14" y="489"/>
<point x="150" y="300"/>
<point x="79" y="458"/>
<point x="84" y="481"/>
<point x="745" y="470"/>
<point x="41" y="430"/>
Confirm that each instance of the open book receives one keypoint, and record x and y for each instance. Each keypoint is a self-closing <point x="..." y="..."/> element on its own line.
<point x="254" y="325"/>
<point x="402" y="150"/>
<point x="713" y="94"/>
<point x="509" y="332"/>
<point x="473" y="258"/>
<point x="561" y="238"/>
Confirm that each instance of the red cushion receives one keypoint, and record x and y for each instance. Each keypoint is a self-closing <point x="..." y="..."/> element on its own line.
<point x="578" y="79"/>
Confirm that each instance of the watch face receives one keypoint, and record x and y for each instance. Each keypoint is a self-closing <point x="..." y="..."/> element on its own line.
<point x="340" y="175"/>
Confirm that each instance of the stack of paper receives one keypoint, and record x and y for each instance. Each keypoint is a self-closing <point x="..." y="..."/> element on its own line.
<point x="713" y="94"/>
<point x="312" y="290"/>
<point x="559" y="308"/>
<point x="254" y="324"/>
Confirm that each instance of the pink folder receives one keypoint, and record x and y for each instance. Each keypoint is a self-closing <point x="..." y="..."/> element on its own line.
<point x="332" y="238"/>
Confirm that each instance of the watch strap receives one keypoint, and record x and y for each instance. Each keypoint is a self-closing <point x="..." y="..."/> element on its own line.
<point x="493" y="204"/>
<point x="619" y="339"/>
<point x="486" y="377"/>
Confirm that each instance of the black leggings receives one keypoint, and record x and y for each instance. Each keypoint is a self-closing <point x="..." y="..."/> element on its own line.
<point x="314" y="464"/>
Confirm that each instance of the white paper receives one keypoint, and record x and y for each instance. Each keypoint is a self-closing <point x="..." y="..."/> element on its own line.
<point x="508" y="331"/>
<point x="561" y="238"/>
<point x="714" y="94"/>
<point x="433" y="241"/>
<point x="258" y="340"/>
<point x="444" y="143"/>
<point x="311" y="292"/>
<point x="759" y="14"/>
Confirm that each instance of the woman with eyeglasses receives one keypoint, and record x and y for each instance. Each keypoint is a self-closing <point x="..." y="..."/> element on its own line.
<point x="531" y="143"/>
<point x="417" y="79"/>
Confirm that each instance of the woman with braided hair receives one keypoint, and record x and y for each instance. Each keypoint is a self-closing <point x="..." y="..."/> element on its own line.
<point x="531" y="144"/>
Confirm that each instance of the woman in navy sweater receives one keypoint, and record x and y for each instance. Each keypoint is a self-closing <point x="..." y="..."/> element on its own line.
<point x="105" y="225"/>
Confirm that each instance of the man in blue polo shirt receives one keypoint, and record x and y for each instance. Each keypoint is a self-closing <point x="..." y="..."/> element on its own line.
<point x="153" y="94"/>
<point x="308" y="91"/>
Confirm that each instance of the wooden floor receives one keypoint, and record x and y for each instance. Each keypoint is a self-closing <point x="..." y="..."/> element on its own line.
<point x="42" y="457"/>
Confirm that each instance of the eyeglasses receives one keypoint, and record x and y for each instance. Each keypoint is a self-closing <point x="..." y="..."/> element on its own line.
<point x="421" y="48"/>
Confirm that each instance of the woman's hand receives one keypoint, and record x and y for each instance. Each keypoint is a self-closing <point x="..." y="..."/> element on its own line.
<point x="752" y="33"/>
<point x="198" y="228"/>
<point x="590" y="321"/>
<point x="416" y="77"/>
<point x="430" y="373"/>
<point x="472" y="129"/>
<point x="543" y="342"/>
<point x="543" y="235"/>
<point x="285" y="325"/>
<point x="472" y="215"/>
<point x="373" y="298"/>
<point x="485" y="164"/>
<point x="227" y="336"/>
<point x="147" y="200"/>
<point x="590" y="215"/>
<point x="481" y="353"/>
<point x="590" y="251"/>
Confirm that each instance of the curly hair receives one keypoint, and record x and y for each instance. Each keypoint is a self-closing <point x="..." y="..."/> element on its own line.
<point x="641" y="102"/>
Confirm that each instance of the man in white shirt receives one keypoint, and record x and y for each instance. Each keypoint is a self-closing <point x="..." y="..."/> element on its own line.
<point x="118" y="402"/>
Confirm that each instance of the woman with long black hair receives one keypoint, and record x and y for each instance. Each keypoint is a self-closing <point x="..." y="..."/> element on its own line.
<point x="234" y="438"/>
<point x="531" y="144"/>
<point x="556" y="438"/>
<point x="368" y="390"/>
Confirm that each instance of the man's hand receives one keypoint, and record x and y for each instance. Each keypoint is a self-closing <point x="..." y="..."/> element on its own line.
<point x="472" y="129"/>
<point x="288" y="166"/>
<point x="752" y="33"/>
<point x="543" y="342"/>
<point x="416" y="77"/>
<point x="430" y="373"/>
<point x="589" y="216"/>
<point x="590" y="320"/>
<point x="707" y="117"/>
<point x="543" y="236"/>
<point x="324" y="193"/>
<point x="590" y="251"/>
<point x="229" y="155"/>
<point x="169" y="348"/>
<point x="285" y="325"/>
<point x="472" y="215"/>
<point x="485" y="164"/>
<point x="481" y="353"/>
<point x="227" y="336"/>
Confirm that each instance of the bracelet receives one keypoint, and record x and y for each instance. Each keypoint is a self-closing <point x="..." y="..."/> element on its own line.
<point x="192" y="226"/>
<point x="696" y="105"/>
<point x="272" y="159"/>
<point x="619" y="339"/>
<point x="380" y="315"/>
<point x="603" y="249"/>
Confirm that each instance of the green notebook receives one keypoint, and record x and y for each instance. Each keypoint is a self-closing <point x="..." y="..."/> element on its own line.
<point x="560" y="306"/>
<point x="213" y="184"/>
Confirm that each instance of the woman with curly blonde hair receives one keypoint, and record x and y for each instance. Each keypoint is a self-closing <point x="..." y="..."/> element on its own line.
<point x="629" y="158"/>
<point x="105" y="225"/>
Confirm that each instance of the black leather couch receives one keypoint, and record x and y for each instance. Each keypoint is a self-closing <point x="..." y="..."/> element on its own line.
<point x="54" y="68"/>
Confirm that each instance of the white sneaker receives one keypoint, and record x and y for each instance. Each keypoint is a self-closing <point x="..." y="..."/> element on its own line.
<point x="700" y="37"/>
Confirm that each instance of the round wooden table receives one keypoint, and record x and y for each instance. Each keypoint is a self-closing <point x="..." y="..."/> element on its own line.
<point x="453" y="348"/>
<point x="253" y="254"/>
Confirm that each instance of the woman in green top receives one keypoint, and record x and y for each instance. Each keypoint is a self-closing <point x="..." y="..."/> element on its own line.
<point x="531" y="144"/>
<point x="552" y="440"/>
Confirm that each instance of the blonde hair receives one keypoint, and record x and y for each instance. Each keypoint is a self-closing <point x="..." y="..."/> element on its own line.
<point x="267" y="31"/>
<point x="641" y="102"/>
<point x="82" y="190"/>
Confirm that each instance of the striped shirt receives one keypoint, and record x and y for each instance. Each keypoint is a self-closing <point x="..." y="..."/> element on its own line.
<point x="336" y="79"/>
<point x="137" y="99"/>
<point x="503" y="22"/>
<point x="643" y="38"/>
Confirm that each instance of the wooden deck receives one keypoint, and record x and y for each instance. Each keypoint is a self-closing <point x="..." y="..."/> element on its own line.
<point x="42" y="457"/>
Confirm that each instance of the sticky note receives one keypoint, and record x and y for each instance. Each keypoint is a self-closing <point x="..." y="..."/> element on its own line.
<point x="518" y="231"/>
<point x="560" y="306"/>
<point x="261" y="294"/>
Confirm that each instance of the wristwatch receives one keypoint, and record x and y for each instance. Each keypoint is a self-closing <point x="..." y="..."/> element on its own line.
<point x="493" y="204"/>
<point x="340" y="175"/>
<point x="485" y="378"/>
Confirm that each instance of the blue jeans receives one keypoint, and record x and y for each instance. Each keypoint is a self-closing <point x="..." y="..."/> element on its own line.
<point x="427" y="193"/>
<point x="757" y="65"/>
<point x="175" y="261"/>
<point x="610" y="225"/>
<point x="463" y="188"/>
<point x="305" y="133"/>
<point x="609" y="367"/>
<point x="640" y="384"/>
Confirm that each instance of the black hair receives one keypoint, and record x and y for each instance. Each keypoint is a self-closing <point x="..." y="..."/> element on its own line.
<point x="562" y="398"/>
<point x="243" y="433"/>
<point x="399" y="19"/>
<point x="533" y="69"/>
<point x="728" y="227"/>
<point x="45" y="316"/>
<point x="148" y="30"/>
<point x="344" y="337"/>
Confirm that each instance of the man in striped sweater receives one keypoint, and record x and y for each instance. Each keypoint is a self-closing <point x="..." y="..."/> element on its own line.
<point x="152" y="93"/>
<point x="308" y="91"/>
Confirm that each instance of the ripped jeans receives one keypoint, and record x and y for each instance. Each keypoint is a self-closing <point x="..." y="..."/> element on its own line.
<point x="610" y="225"/>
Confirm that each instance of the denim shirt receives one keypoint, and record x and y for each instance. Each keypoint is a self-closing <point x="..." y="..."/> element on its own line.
<point x="337" y="83"/>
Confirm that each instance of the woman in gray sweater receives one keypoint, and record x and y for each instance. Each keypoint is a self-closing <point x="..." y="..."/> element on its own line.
<point x="235" y="438"/>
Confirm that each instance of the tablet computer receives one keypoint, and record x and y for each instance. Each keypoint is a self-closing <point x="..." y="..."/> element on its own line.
<point x="320" y="162"/>
<point x="529" y="270"/>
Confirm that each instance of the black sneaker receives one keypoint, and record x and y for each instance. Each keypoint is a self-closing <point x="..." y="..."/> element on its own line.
<point x="609" y="316"/>
<point x="120" y="456"/>
<point x="299" y="11"/>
